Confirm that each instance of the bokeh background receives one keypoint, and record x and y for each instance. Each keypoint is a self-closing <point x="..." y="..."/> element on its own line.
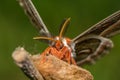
<point x="16" y="30"/>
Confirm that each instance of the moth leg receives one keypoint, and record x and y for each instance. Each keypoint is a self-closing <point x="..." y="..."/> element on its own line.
<point x="62" y="52"/>
<point x="49" y="50"/>
<point x="55" y="52"/>
<point x="66" y="55"/>
<point x="69" y="59"/>
<point x="45" y="53"/>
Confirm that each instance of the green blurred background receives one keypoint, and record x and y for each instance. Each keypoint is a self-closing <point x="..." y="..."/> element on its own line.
<point x="16" y="30"/>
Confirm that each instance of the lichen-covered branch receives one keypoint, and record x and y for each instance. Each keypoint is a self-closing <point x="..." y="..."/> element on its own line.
<point x="51" y="69"/>
<point x="24" y="61"/>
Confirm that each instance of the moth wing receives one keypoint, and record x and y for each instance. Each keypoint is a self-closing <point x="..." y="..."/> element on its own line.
<point x="107" y="27"/>
<point x="91" y="48"/>
<point x="95" y="36"/>
<point x="34" y="17"/>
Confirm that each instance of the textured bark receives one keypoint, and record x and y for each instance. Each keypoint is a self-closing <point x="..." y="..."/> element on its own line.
<point x="51" y="69"/>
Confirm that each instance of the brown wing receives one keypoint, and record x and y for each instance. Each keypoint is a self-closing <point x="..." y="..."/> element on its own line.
<point x="34" y="16"/>
<point x="111" y="24"/>
<point x="90" y="43"/>
<point x="91" y="48"/>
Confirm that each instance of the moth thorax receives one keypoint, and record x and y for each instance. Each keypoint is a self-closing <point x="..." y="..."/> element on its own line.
<point x="67" y="42"/>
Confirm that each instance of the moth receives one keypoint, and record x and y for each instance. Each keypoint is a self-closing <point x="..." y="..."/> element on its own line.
<point x="86" y="47"/>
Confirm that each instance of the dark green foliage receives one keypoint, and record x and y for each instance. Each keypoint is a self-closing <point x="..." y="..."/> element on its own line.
<point x="16" y="30"/>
